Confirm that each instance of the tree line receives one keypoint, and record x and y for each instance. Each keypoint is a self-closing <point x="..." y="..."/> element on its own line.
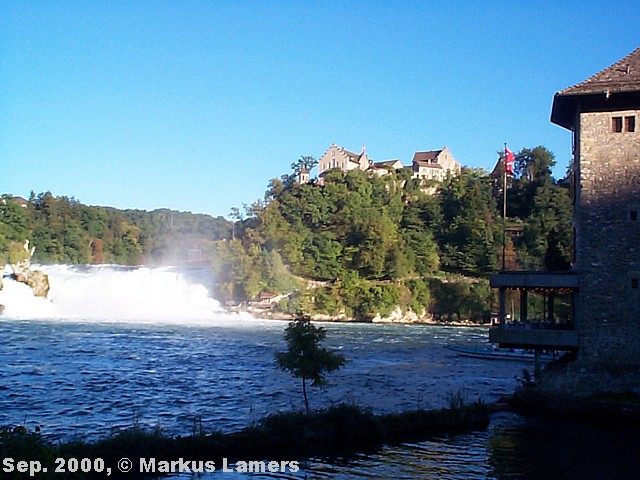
<point x="367" y="243"/>
<point x="373" y="243"/>
<point x="63" y="230"/>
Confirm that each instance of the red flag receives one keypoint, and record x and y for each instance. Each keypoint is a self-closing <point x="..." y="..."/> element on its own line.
<point x="509" y="159"/>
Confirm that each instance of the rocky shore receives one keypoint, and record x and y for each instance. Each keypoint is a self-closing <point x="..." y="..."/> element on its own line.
<point x="397" y="316"/>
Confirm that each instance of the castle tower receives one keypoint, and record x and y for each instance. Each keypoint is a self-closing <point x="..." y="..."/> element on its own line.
<point x="603" y="113"/>
<point x="602" y="322"/>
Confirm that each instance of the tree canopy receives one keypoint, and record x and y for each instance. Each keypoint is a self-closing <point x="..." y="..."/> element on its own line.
<point x="368" y="243"/>
<point x="305" y="358"/>
<point x="63" y="230"/>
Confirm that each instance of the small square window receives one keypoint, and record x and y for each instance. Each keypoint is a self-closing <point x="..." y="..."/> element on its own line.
<point x="634" y="283"/>
<point x="629" y="124"/>
<point x="616" y="124"/>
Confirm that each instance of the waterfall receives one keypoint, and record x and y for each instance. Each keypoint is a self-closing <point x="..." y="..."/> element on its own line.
<point x="115" y="293"/>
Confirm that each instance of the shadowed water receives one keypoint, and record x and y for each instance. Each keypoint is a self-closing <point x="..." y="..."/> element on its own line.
<point x="189" y="365"/>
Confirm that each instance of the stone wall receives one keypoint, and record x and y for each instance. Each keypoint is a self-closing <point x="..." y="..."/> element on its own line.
<point x="338" y="157"/>
<point x="607" y="249"/>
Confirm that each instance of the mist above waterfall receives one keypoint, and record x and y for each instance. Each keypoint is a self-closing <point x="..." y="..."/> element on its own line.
<point x="115" y="293"/>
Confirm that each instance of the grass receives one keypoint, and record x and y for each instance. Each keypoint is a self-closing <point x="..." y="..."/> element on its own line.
<point x="339" y="431"/>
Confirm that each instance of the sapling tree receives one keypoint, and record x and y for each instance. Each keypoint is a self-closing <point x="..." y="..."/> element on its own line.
<point x="305" y="358"/>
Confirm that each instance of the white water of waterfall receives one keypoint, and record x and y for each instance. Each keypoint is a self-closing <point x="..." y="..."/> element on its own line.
<point x="114" y="293"/>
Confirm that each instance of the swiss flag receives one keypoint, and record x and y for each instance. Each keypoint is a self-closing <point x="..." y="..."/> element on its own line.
<point x="509" y="159"/>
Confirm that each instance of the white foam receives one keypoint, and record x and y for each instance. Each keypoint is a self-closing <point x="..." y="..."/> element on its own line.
<point x="114" y="293"/>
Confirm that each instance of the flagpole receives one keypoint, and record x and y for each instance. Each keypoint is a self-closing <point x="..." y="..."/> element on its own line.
<point x="504" y="207"/>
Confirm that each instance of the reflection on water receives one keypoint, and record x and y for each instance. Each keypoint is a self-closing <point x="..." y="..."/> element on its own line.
<point x="563" y="450"/>
<point x="512" y="448"/>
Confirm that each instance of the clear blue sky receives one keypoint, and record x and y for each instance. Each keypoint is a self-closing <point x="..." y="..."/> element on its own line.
<point x="195" y="105"/>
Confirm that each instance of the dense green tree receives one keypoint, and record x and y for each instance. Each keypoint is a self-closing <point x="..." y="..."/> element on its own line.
<point x="470" y="232"/>
<point x="370" y="242"/>
<point x="63" y="230"/>
<point x="542" y="205"/>
<point x="459" y="298"/>
<point x="304" y="357"/>
<point x="14" y="226"/>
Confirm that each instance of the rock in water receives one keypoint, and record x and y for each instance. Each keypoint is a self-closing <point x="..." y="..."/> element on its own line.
<point x="21" y="266"/>
<point x="37" y="280"/>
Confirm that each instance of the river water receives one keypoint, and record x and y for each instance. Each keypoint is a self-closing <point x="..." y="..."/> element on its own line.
<point x="116" y="347"/>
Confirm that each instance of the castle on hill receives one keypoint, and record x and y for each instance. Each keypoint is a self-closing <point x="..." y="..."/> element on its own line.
<point x="429" y="165"/>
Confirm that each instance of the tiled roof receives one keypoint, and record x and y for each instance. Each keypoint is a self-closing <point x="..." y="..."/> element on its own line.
<point x="429" y="156"/>
<point x="385" y="163"/>
<point x="614" y="88"/>
<point x="428" y="164"/>
<point x="622" y="76"/>
<point x="20" y="200"/>
<point x="353" y="157"/>
<point x="498" y="170"/>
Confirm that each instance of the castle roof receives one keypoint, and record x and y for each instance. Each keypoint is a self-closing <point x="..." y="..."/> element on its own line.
<point x="622" y="76"/>
<point x="386" y="163"/>
<point x="430" y="156"/>
<point x="352" y="156"/>
<point x="428" y="165"/>
<point x="498" y="170"/>
<point x="615" y="88"/>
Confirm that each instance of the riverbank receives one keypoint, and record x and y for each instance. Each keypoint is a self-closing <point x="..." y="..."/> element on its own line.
<point x="340" y="431"/>
<point x="270" y="314"/>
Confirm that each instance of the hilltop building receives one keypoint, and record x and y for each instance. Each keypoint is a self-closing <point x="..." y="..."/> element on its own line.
<point x="429" y="165"/>
<point x="303" y="176"/>
<point x="340" y="158"/>
<point x="20" y="201"/>
<point x="382" y="168"/>
<point x="601" y="324"/>
<point x="434" y="165"/>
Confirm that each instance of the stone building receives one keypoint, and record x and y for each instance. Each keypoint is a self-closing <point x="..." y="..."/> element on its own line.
<point x="303" y="176"/>
<point x="603" y="113"/>
<point x="384" y="167"/>
<point x="430" y="165"/>
<point x="340" y="158"/>
<point x="603" y="323"/>
<point x="434" y="164"/>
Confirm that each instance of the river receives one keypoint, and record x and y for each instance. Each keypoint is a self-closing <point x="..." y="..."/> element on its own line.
<point x="117" y="347"/>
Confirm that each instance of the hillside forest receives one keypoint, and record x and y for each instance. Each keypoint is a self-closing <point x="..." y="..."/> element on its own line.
<point x="366" y="244"/>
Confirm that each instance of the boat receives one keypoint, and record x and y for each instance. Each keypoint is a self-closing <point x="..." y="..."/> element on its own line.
<point x="488" y="351"/>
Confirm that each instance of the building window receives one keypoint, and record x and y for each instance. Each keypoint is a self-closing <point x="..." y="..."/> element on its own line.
<point x="623" y="124"/>
<point x="633" y="215"/>
<point x="634" y="283"/>
<point x="630" y="124"/>
<point x="616" y="124"/>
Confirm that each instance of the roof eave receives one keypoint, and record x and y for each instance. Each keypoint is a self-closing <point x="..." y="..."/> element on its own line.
<point x="566" y="106"/>
<point x="563" y="110"/>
